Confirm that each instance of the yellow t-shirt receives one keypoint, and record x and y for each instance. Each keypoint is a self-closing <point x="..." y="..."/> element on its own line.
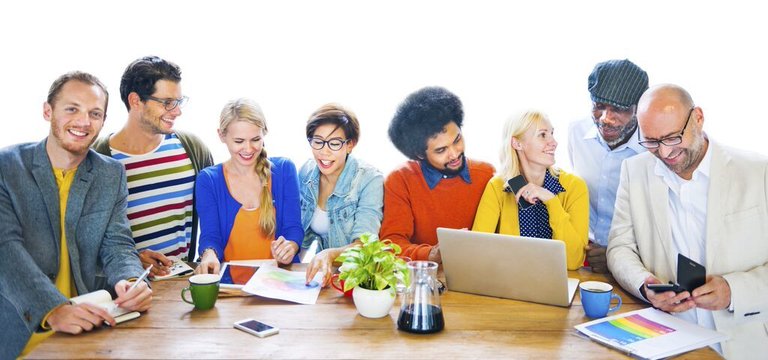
<point x="64" y="280"/>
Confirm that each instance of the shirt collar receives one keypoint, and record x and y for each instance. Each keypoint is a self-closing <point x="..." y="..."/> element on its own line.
<point x="433" y="176"/>
<point x="701" y="172"/>
<point x="552" y="184"/>
<point x="632" y="143"/>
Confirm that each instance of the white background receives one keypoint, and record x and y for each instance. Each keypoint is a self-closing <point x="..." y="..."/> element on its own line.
<point x="293" y="56"/>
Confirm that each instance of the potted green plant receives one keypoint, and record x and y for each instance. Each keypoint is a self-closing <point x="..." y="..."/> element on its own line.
<point x="373" y="270"/>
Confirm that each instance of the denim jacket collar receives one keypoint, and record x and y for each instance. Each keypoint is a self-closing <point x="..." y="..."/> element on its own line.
<point x="342" y="184"/>
<point x="433" y="176"/>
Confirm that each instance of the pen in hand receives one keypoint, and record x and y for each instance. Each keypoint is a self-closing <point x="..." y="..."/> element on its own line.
<point x="140" y="279"/>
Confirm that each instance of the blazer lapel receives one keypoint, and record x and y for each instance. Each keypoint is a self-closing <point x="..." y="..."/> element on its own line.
<point x="46" y="182"/>
<point x="77" y="193"/>
<point x="659" y="198"/>
<point x="716" y="196"/>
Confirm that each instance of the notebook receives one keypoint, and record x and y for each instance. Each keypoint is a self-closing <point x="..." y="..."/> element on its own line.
<point x="103" y="299"/>
<point x="177" y="269"/>
<point x="506" y="266"/>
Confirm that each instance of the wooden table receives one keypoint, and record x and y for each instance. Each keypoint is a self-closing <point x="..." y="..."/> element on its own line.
<point x="475" y="327"/>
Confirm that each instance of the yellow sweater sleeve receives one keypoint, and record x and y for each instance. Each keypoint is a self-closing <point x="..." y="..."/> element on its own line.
<point x="489" y="209"/>
<point x="569" y="218"/>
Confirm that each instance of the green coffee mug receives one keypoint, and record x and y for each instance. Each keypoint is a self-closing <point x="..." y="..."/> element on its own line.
<point x="204" y="289"/>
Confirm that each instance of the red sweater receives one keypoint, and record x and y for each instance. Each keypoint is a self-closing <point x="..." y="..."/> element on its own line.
<point x="413" y="212"/>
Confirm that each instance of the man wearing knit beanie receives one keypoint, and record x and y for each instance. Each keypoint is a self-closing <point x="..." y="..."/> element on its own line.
<point x="598" y="145"/>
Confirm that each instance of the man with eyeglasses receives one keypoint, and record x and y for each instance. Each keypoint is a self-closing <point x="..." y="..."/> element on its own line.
<point x="692" y="196"/>
<point x="438" y="186"/>
<point x="598" y="145"/>
<point x="162" y="163"/>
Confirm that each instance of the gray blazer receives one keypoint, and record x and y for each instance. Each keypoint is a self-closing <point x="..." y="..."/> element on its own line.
<point x="100" y="246"/>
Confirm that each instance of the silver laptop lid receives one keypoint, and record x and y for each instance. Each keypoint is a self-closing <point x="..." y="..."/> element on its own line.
<point x="507" y="266"/>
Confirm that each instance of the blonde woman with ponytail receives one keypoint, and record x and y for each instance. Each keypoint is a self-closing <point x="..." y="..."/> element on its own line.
<point x="248" y="205"/>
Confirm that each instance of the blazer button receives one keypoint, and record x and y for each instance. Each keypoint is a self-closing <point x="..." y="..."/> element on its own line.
<point x="52" y="277"/>
<point x="27" y="316"/>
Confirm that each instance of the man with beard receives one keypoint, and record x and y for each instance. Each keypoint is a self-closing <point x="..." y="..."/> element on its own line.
<point x="692" y="196"/>
<point x="599" y="145"/>
<point x="63" y="226"/>
<point x="438" y="187"/>
<point x="161" y="163"/>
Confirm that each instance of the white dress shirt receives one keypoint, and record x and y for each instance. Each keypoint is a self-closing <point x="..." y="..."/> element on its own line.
<point x="688" y="222"/>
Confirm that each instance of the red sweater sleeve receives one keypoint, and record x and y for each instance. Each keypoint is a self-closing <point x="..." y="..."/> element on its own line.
<point x="398" y="222"/>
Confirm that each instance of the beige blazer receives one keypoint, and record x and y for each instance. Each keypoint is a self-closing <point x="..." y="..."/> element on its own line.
<point x="640" y="242"/>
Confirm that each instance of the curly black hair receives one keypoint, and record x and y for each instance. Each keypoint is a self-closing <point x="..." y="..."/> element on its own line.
<point x="142" y="74"/>
<point x="421" y="115"/>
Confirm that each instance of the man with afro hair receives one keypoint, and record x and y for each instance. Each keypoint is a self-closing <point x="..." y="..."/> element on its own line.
<point x="438" y="186"/>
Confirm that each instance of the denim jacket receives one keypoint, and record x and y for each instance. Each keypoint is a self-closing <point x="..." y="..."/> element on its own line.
<point x="353" y="208"/>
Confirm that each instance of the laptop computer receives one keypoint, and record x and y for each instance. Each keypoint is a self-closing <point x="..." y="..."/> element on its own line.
<point x="506" y="266"/>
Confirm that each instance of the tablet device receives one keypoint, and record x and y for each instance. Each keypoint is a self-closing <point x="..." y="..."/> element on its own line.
<point x="235" y="276"/>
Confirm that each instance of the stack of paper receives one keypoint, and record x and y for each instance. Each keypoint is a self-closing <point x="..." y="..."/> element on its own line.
<point x="650" y="334"/>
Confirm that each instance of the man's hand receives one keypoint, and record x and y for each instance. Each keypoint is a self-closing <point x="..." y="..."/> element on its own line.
<point x="74" y="319"/>
<point x="209" y="263"/>
<point x="596" y="258"/>
<point x="160" y="263"/>
<point x="715" y="294"/>
<point x="434" y="255"/>
<point x="668" y="301"/>
<point x="284" y="250"/>
<point x="136" y="299"/>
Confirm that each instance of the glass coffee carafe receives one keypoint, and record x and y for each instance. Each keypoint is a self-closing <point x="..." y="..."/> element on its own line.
<point x="420" y="311"/>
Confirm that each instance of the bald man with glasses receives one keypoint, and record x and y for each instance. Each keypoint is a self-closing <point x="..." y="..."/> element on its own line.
<point x="161" y="163"/>
<point x="691" y="196"/>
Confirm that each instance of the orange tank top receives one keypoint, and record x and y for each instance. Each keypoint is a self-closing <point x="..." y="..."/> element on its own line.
<point x="247" y="241"/>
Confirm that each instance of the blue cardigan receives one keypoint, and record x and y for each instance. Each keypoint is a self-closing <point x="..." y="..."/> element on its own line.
<point x="217" y="208"/>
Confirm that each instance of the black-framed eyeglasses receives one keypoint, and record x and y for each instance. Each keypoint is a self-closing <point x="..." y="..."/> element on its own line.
<point x="170" y="104"/>
<point x="333" y="144"/>
<point x="669" y="140"/>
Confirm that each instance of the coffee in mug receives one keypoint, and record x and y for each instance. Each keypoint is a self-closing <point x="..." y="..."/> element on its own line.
<point x="204" y="289"/>
<point x="596" y="298"/>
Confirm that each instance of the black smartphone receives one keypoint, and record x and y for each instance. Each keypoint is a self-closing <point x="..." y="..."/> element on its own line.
<point x="660" y="288"/>
<point x="515" y="184"/>
<point x="690" y="274"/>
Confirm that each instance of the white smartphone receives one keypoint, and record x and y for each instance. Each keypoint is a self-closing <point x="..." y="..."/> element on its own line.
<point x="257" y="328"/>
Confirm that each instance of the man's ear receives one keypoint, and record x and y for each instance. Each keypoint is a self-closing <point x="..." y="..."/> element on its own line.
<point x="47" y="111"/>
<point x="133" y="100"/>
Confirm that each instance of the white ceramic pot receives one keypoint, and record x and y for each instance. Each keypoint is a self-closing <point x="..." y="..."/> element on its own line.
<point x="373" y="303"/>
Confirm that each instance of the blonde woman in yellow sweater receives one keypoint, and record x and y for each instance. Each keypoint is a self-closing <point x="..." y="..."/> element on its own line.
<point x="557" y="202"/>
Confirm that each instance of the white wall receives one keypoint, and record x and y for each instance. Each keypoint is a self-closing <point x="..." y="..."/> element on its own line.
<point x="293" y="56"/>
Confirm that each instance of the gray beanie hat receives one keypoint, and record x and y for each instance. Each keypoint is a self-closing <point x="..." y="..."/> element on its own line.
<point x="619" y="83"/>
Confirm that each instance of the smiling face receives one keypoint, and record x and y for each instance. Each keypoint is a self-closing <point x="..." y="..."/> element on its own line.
<point x="244" y="142"/>
<point x="76" y="116"/>
<point x="537" y="145"/>
<point x="445" y="150"/>
<point x="331" y="162"/>
<point x="615" y="125"/>
<point x="663" y="113"/>
<point x="154" y="117"/>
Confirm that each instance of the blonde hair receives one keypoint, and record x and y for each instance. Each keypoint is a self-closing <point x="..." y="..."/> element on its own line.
<point x="516" y="127"/>
<point x="249" y="111"/>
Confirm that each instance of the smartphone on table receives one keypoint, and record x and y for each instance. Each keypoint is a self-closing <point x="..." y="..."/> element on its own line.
<point x="257" y="328"/>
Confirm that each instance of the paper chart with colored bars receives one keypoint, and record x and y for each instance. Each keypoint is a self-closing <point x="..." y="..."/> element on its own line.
<point x="277" y="283"/>
<point x="626" y="330"/>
